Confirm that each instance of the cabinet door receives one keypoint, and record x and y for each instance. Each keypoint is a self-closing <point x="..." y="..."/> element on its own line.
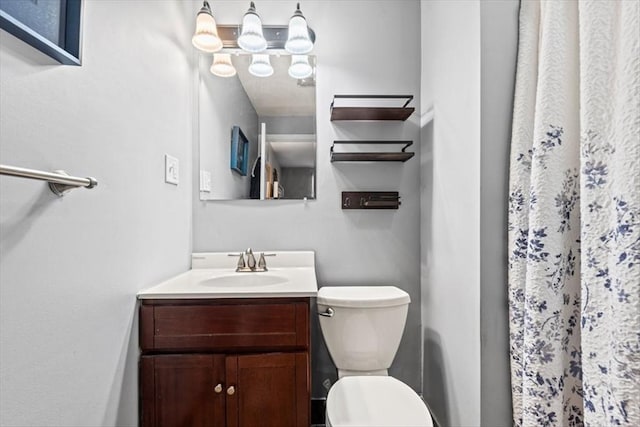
<point x="183" y="390"/>
<point x="269" y="390"/>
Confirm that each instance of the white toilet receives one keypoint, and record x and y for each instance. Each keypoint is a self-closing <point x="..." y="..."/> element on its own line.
<point x="362" y="327"/>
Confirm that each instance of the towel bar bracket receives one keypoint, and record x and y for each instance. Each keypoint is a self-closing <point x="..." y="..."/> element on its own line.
<point x="60" y="189"/>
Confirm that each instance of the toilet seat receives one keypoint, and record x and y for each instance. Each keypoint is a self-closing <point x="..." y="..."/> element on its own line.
<point x="375" y="401"/>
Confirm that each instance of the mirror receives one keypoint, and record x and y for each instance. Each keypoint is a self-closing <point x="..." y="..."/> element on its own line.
<point x="257" y="134"/>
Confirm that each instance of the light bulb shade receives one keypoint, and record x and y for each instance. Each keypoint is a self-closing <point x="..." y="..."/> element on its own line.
<point x="206" y="35"/>
<point x="252" y="39"/>
<point x="300" y="68"/>
<point x="261" y="66"/>
<point x="222" y="65"/>
<point x="298" y="40"/>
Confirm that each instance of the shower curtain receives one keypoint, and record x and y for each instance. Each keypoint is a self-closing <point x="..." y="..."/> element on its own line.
<point x="574" y="215"/>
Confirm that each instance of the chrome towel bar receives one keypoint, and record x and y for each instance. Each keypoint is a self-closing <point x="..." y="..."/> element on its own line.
<point x="59" y="181"/>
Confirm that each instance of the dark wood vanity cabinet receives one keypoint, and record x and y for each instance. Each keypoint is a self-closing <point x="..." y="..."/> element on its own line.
<point x="225" y="362"/>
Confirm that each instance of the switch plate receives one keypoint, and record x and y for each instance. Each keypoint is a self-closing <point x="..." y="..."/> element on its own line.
<point x="171" y="169"/>
<point x="205" y="181"/>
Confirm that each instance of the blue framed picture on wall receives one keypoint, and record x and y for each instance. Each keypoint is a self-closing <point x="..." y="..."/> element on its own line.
<point x="51" y="26"/>
<point x="239" y="151"/>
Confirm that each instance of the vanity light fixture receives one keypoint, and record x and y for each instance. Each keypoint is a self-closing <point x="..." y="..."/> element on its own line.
<point x="222" y="65"/>
<point x="300" y="67"/>
<point x="298" y="40"/>
<point x="261" y="65"/>
<point x="252" y="39"/>
<point x="206" y="35"/>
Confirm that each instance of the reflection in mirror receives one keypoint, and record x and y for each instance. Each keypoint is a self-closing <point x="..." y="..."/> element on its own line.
<point x="274" y="119"/>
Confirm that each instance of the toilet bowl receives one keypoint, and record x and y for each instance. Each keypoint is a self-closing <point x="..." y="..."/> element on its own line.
<point x="380" y="401"/>
<point x="362" y="327"/>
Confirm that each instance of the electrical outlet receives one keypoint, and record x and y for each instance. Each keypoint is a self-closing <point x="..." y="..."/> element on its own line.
<point x="171" y="169"/>
<point x="205" y="181"/>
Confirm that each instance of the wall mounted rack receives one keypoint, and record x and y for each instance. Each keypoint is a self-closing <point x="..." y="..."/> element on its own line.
<point x="370" y="200"/>
<point x="374" y="107"/>
<point x="376" y="156"/>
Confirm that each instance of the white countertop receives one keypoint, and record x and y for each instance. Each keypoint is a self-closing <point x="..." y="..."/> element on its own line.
<point x="213" y="275"/>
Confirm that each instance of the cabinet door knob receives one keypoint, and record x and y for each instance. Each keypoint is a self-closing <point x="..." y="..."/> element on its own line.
<point x="231" y="390"/>
<point x="218" y="388"/>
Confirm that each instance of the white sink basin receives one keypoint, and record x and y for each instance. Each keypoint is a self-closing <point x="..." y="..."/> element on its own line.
<point x="245" y="280"/>
<point x="213" y="275"/>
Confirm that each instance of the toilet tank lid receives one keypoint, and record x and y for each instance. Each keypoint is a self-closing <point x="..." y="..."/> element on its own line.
<point x="362" y="296"/>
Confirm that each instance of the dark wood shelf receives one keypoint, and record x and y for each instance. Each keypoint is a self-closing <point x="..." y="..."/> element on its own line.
<point x="376" y="156"/>
<point x="392" y="113"/>
<point x="370" y="113"/>
<point x="371" y="157"/>
<point x="370" y="200"/>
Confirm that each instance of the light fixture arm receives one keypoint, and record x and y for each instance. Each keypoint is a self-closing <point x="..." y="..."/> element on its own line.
<point x="298" y="12"/>
<point x="205" y="8"/>
<point x="252" y="9"/>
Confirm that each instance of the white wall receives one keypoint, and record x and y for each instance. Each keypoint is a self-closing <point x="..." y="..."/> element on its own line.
<point x="70" y="267"/>
<point x="468" y="61"/>
<point x="450" y="210"/>
<point x="378" y="55"/>
<point x="499" y="45"/>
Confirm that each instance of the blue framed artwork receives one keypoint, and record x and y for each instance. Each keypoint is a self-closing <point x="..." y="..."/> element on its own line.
<point x="51" y="26"/>
<point x="239" y="151"/>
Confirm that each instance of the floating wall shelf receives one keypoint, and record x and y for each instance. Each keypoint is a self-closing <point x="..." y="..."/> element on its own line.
<point x="376" y="109"/>
<point x="377" y="156"/>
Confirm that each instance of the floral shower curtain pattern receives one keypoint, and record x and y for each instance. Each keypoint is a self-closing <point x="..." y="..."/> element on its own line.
<point x="574" y="215"/>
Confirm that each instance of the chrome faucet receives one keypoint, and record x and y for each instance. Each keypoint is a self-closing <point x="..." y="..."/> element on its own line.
<point x="250" y="265"/>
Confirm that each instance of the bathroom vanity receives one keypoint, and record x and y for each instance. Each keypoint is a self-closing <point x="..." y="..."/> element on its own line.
<point x="221" y="348"/>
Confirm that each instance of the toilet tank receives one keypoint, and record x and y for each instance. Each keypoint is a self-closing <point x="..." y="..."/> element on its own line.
<point x="362" y="326"/>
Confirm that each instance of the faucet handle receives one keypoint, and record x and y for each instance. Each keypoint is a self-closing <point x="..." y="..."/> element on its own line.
<point x="241" y="263"/>
<point x="262" y="263"/>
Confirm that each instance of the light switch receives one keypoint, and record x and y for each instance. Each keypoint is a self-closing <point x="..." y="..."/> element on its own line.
<point x="205" y="181"/>
<point x="171" y="169"/>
